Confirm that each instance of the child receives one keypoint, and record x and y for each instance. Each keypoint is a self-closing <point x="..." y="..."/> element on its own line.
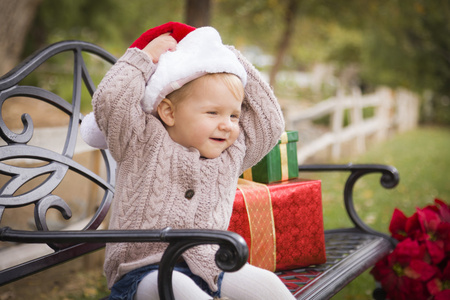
<point x="183" y="121"/>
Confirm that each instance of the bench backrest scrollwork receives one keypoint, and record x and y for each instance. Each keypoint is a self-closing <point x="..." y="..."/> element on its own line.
<point x="15" y="189"/>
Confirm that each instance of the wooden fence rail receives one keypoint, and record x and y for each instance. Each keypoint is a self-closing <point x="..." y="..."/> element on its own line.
<point x="353" y="118"/>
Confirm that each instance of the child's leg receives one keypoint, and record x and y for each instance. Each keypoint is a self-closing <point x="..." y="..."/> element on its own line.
<point x="184" y="288"/>
<point x="252" y="283"/>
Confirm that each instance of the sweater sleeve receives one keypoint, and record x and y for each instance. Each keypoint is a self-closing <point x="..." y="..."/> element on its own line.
<point x="262" y="121"/>
<point x="116" y="101"/>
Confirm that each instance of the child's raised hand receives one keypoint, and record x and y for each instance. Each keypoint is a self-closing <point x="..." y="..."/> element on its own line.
<point x="160" y="45"/>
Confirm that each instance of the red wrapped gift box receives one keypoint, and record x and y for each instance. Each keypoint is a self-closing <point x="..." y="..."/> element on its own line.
<point x="287" y="223"/>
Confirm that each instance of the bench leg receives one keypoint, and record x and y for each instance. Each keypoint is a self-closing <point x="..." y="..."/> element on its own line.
<point x="378" y="292"/>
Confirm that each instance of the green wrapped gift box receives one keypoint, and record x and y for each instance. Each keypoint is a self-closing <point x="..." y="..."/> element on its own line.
<point x="279" y="164"/>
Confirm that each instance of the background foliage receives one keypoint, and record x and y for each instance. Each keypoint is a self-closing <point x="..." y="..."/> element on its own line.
<point x="387" y="42"/>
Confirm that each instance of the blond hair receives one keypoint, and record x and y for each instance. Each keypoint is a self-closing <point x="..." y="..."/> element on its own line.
<point x="231" y="81"/>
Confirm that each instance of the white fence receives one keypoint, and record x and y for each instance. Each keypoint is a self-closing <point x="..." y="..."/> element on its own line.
<point x="392" y="111"/>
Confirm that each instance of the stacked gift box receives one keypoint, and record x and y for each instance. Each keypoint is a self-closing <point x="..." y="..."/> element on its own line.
<point x="279" y="164"/>
<point x="279" y="215"/>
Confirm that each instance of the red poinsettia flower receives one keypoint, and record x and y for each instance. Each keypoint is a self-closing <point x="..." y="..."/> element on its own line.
<point x="443" y="234"/>
<point x="444" y="210"/>
<point x="429" y="219"/>
<point x="403" y="273"/>
<point x="443" y="230"/>
<point x="432" y="226"/>
<point x="398" y="224"/>
<point x="402" y="227"/>
<point x="439" y="286"/>
<point x="413" y="228"/>
<point x="443" y="295"/>
<point x="419" y="266"/>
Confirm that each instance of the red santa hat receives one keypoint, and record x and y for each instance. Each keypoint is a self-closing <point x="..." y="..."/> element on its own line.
<point x="199" y="51"/>
<point x="177" y="30"/>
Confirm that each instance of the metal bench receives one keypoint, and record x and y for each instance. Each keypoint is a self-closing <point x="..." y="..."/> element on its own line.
<point x="32" y="175"/>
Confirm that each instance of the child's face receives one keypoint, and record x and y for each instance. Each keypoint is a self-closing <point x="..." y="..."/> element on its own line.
<point x="207" y="119"/>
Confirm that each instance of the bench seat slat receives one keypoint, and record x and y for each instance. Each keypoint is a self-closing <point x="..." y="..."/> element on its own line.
<point x="362" y="251"/>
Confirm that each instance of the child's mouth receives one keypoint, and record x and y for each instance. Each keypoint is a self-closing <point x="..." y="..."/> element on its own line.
<point x="218" y="139"/>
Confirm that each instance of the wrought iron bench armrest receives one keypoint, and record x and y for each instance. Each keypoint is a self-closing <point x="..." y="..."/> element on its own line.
<point x="231" y="256"/>
<point x="389" y="179"/>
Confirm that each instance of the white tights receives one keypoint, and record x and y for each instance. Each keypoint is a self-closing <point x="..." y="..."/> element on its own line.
<point x="249" y="283"/>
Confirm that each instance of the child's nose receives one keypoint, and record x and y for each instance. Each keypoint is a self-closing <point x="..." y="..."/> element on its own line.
<point x="225" y="124"/>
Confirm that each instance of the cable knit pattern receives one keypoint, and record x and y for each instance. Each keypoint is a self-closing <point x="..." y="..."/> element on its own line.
<point x="154" y="172"/>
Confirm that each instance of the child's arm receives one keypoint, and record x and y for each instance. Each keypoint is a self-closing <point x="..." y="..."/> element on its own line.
<point x="261" y="119"/>
<point x="116" y="102"/>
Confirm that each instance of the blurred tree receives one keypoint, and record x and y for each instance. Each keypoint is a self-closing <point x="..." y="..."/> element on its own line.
<point x="409" y="45"/>
<point x="251" y="22"/>
<point x="288" y="32"/>
<point x="271" y="25"/>
<point x="112" y="24"/>
<point x="404" y="45"/>
<point x="16" y="19"/>
<point x="389" y="42"/>
<point x="198" y="12"/>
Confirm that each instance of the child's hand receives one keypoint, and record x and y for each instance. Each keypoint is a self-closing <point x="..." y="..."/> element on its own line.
<point x="160" y="45"/>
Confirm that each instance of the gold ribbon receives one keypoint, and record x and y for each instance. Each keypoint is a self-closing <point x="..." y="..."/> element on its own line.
<point x="284" y="157"/>
<point x="258" y="203"/>
<point x="248" y="174"/>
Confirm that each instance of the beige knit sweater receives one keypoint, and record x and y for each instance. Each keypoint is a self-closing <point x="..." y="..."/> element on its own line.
<point x="154" y="172"/>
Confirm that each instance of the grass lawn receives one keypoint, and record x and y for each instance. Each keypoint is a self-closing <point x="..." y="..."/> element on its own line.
<point x="422" y="157"/>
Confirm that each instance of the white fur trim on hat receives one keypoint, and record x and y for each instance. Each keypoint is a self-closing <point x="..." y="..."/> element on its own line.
<point x="198" y="53"/>
<point x="91" y="134"/>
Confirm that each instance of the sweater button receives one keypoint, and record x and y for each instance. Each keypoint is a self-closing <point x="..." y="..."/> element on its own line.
<point x="189" y="194"/>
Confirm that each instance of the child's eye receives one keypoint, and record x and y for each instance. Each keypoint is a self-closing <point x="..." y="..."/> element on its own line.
<point x="235" y="117"/>
<point x="212" y="113"/>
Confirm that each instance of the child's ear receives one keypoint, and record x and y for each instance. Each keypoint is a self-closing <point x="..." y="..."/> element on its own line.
<point x="166" y="112"/>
